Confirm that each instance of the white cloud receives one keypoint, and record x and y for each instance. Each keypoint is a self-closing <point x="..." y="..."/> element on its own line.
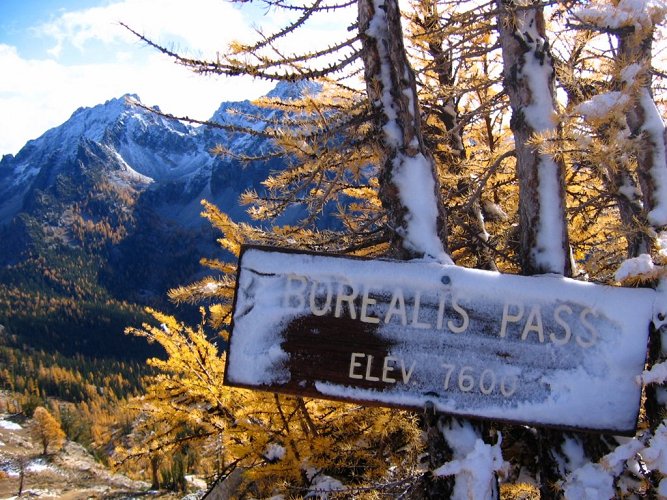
<point x="93" y="59"/>
<point x="36" y="95"/>
<point x="202" y="25"/>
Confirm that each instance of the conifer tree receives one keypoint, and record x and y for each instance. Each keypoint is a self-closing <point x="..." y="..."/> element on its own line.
<point x="513" y="178"/>
<point x="46" y="429"/>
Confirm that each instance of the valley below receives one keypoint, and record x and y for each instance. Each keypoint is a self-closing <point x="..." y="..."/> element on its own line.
<point x="71" y="473"/>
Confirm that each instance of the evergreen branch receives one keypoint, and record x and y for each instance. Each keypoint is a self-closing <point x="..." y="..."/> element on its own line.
<point x="473" y="232"/>
<point x="309" y="56"/>
<point x="207" y="123"/>
<point x="225" y="69"/>
<point x="584" y="26"/>
<point x="277" y="75"/>
<point x="220" y="150"/>
<point x="308" y="11"/>
<point x="283" y="5"/>
<point x="487" y="175"/>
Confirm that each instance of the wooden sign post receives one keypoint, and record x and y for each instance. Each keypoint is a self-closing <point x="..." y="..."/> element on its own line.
<point x="534" y="350"/>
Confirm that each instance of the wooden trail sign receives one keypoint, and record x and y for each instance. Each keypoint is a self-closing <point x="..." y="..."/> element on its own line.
<point x="535" y="350"/>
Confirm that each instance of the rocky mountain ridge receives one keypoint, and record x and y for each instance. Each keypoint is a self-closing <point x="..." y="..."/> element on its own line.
<point x="141" y="149"/>
<point x="105" y="209"/>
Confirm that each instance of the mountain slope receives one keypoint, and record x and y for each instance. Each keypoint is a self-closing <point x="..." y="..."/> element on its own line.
<point x="100" y="216"/>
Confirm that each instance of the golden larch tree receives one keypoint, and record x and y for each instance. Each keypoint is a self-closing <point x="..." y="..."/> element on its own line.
<point x="46" y="430"/>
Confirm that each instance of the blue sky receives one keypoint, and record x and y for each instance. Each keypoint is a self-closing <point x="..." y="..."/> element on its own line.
<point x="59" y="55"/>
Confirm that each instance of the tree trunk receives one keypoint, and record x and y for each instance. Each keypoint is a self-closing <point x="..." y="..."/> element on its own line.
<point x="21" y="476"/>
<point x="409" y="187"/>
<point x="391" y="89"/>
<point x="155" y="473"/>
<point x="529" y="82"/>
<point x="544" y="243"/>
<point x="647" y="126"/>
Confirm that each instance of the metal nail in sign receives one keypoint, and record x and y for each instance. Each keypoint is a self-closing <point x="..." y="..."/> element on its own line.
<point x="533" y="350"/>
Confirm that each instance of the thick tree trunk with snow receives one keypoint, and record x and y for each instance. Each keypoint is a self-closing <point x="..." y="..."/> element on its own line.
<point x="647" y="125"/>
<point x="409" y="187"/>
<point x="410" y="193"/>
<point x="529" y="82"/>
<point x="544" y="244"/>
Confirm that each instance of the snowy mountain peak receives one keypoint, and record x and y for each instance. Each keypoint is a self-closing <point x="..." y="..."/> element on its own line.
<point x="294" y="90"/>
<point x="168" y="160"/>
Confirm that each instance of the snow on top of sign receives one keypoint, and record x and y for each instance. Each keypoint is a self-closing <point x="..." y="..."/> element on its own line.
<point x="615" y="361"/>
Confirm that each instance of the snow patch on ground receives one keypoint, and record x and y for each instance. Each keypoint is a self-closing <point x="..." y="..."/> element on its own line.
<point x="196" y="482"/>
<point x="10" y="426"/>
<point x="39" y="465"/>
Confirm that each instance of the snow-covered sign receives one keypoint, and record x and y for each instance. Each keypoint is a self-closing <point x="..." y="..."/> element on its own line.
<point x="537" y="350"/>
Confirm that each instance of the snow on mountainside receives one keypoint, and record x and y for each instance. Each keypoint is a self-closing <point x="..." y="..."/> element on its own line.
<point x="170" y="159"/>
<point x="104" y="212"/>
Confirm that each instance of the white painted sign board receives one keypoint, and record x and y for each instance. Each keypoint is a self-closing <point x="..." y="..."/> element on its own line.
<point x="535" y="350"/>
